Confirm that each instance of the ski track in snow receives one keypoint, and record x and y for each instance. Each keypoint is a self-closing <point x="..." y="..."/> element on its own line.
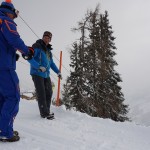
<point x="74" y="131"/>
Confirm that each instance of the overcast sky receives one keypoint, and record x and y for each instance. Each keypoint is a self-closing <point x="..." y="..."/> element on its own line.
<point x="130" y="20"/>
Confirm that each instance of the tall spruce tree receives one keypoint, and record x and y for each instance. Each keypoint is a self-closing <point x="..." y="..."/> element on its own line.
<point x="72" y="96"/>
<point x="110" y="91"/>
<point x="92" y="86"/>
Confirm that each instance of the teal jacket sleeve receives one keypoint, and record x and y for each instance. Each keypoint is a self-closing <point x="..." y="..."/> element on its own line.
<point x="33" y="62"/>
<point x="54" y="67"/>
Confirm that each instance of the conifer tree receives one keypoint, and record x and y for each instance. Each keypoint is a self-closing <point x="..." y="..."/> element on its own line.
<point x="110" y="91"/>
<point x="72" y="96"/>
<point x="93" y="84"/>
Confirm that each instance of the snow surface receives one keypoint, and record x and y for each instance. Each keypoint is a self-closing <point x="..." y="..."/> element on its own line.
<point x="74" y="131"/>
<point x="139" y="104"/>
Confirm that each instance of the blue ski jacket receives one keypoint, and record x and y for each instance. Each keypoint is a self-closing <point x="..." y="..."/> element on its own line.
<point x="42" y="57"/>
<point x="10" y="42"/>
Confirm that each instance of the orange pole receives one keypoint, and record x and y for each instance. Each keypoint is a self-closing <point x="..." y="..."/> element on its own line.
<point x="58" y="92"/>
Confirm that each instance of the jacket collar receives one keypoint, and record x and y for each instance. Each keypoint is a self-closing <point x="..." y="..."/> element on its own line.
<point x="41" y="42"/>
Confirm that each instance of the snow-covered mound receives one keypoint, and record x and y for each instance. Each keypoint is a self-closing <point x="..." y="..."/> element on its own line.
<point x="74" y="131"/>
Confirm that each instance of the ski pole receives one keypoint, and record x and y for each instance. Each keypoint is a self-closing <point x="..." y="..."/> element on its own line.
<point x="58" y="92"/>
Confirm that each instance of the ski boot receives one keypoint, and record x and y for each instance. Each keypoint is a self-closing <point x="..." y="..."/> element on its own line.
<point x="15" y="138"/>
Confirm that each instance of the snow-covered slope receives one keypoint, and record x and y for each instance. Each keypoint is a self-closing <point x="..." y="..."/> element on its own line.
<point x="137" y="98"/>
<point x="74" y="131"/>
<point x="139" y="104"/>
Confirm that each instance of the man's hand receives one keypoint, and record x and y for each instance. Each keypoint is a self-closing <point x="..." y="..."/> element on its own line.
<point x="59" y="75"/>
<point x="30" y="54"/>
<point x="42" y="69"/>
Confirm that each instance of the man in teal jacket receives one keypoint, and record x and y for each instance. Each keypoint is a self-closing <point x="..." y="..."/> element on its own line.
<point x="41" y="64"/>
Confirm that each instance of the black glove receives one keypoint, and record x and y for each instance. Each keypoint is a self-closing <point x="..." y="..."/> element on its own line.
<point x="30" y="54"/>
<point x="17" y="57"/>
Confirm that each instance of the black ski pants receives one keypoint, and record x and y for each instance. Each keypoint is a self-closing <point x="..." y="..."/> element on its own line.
<point x="43" y="89"/>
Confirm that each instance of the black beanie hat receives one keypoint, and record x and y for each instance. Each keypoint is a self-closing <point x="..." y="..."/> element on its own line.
<point x="47" y="33"/>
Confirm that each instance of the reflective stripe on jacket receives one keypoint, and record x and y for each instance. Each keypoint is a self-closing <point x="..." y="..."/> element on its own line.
<point x="10" y="41"/>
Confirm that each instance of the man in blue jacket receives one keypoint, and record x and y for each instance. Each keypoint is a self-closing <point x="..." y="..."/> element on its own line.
<point x="40" y="72"/>
<point x="10" y="42"/>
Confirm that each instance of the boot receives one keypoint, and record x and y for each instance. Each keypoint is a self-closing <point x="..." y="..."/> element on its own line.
<point x="15" y="138"/>
<point x="49" y="116"/>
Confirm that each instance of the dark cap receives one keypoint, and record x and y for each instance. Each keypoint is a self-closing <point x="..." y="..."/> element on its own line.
<point x="47" y="33"/>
